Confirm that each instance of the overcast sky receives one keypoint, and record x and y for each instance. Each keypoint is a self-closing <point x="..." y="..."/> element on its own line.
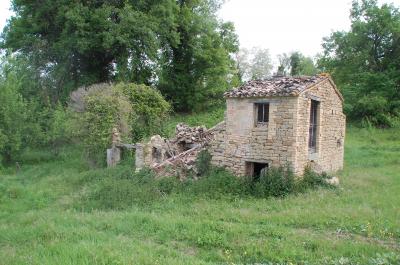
<point x="279" y="25"/>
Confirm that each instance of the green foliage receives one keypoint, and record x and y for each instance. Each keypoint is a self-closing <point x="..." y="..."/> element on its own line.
<point x="12" y="117"/>
<point x="313" y="180"/>
<point x="136" y="111"/>
<point x="197" y="70"/>
<point x="274" y="182"/>
<point x="203" y="162"/>
<point x="365" y="63"/>
<point x="254" y="64"/>
<point x="70" y="44"/>
<point x="121" y="188"/>
<point x="296" y="64"/>
<point x="42" y="218"/>
<point x="149" y="109"/>
<point x="104" y="110"/>
<point x="180" y="46"/>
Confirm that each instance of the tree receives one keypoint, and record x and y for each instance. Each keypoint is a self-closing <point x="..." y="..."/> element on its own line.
<point x="179" y="46"/>
<point x="284" y="64"/>
<point x="365" y="62"/>
<point x="296" y="64"/>
<point x="73" y="43"/>
<point x="255" y="63"/>
<point x="12" y="115"/>
<point x="195" y="72"/>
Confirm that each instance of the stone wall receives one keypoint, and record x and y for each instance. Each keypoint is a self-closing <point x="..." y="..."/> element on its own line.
<point x="240" y="141"/>
<point x="284" y="140"/>
<point x="330" y="130"/>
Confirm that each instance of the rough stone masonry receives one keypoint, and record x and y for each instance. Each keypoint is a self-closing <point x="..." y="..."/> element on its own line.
<point x="293" y="121"/>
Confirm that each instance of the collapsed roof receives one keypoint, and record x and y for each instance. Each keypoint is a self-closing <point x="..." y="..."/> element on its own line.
<point x="276" y="86"/>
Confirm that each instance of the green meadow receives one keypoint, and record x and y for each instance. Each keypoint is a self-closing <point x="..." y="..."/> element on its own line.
<point x="56" y="210"/>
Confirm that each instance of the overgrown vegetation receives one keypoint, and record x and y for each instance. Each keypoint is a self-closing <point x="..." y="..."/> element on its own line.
<point x="56" y="210"/>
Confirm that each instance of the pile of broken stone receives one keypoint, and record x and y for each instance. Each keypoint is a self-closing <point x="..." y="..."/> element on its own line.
<point x="184" y="148"/>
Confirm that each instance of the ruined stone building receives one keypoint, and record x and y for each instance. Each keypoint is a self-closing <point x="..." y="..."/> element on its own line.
<point x="294" y="121"/>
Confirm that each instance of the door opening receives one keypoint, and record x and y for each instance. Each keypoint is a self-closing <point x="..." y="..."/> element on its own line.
<point x="255" y="170"/>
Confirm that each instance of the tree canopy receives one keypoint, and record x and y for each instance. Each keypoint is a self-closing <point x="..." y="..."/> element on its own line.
<point x="296" y="64"/>
<point x="179" y="46"/>
<point x="255" y="63"/>
<point x="365" y="62"/>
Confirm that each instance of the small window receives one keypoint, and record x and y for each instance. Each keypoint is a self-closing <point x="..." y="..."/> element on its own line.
<point x="262" y="110"/>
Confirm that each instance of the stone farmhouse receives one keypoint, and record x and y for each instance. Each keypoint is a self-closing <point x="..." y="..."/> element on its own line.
<point x="297" y="121"/>
<point x="294" y="121"/>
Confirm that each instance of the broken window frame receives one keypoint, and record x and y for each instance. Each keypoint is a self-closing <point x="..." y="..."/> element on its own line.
<point x="261" y="114"/>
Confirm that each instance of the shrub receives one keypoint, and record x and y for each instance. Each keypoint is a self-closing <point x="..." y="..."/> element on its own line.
<point x="150" y="109"/>
<point x="312" y="180"/>
<point x="12" y="119"/>
<point x="203" y="162"/>
<point x="274" y="182"/>
<point x="135" y="110"/>
<point x="218" y="182"/>
<point x="104" y="110"/>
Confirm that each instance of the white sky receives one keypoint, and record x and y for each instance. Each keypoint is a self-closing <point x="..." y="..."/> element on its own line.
<point x="278" y="25"/>
<point x="288" y="25"/>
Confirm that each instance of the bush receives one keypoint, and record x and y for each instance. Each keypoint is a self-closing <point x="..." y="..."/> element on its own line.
<point x="135" y="110"/>
<point x="218" y="182"/>
<point x="150" y="109"/>
<point x="203" y="162"/>
<point x="274" y="182"/>
<point x="104" y="109"/>
<point x="312" y="180"/>
<point x="12" y="119"/>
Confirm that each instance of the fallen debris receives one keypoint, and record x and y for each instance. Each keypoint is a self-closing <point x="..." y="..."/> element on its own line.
<point x="175" y="156"/>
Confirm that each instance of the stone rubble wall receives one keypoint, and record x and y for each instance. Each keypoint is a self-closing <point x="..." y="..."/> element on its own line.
<point x="330" y="131"/>
<point x="240" y="141"/>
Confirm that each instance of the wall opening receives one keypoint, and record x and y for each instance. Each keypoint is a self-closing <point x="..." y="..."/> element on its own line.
<point x="261" y="114"/>
<point x="255" y="170"/>
<point x="313" y="130"/>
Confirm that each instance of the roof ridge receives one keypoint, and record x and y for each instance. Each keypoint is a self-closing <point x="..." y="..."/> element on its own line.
<point x="275" y="86"/>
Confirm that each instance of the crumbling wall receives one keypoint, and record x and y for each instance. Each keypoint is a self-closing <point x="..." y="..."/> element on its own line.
<point x="175" y="156"/>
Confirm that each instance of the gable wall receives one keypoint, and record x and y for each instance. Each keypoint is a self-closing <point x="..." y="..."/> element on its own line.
<point x="331" y="130"/>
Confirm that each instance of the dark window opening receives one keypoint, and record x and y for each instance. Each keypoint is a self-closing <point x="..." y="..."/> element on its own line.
<point x="255" y="170"/>
<point x="312" y="141"/>
<point x="262" y="113"/>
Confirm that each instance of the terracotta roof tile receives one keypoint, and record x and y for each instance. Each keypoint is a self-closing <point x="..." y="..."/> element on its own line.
<point x="276" y="86"/>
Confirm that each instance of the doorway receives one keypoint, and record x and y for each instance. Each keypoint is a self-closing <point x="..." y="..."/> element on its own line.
<point x="255" y="169"/>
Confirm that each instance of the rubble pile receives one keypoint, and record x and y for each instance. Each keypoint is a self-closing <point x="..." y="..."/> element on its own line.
<point x="277" y="86"/>
<point x="189" y="137"/>
<point x="177" y="156"/>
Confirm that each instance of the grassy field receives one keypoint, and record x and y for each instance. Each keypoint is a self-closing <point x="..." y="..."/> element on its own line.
<point x="57" y="211"/>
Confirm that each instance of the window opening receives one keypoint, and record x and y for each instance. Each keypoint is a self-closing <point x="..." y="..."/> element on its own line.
<point x="262" y="113"/>
<point x="312" y="141"/>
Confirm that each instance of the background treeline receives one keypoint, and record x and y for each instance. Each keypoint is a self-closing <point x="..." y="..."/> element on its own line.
<point x="152" y="57"/>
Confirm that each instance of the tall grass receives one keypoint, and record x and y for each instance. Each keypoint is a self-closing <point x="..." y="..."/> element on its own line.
<point x="58" y="211"/>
